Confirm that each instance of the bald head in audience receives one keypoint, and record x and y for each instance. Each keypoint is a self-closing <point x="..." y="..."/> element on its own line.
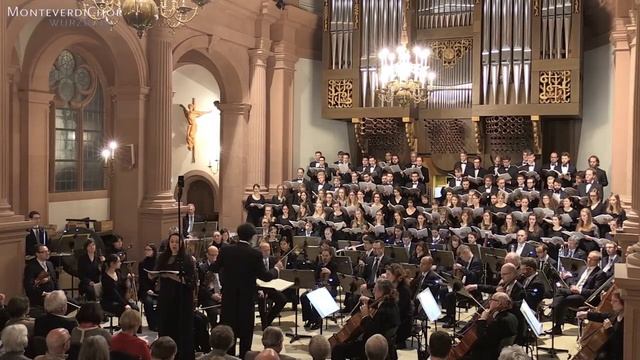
<point x="58" y="341"/>
<point x="319" y="348"/>
<point x="376" y="347"/>
<point x="268" y="354"/>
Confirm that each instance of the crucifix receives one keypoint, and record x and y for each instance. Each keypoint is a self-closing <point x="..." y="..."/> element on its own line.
<point x="191" y="114"/>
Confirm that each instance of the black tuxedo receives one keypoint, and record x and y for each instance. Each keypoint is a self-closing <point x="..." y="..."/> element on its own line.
<point x="536" y="168"/>
<point x="577" y="254"/>
<point x="511" y="170"/>
<point x="471" y="171"/>
<point x="565" y="299"/>
<point x="419" y="186"/>
<point x="267" y="315"/>
<point x="610" y="269"/>
<point x="32" y="240"/>
<point x="582" y="188"/>
<point x="468" y="166"/>
<point x="240" y="265"/>
<point x="205" y="293"/>
<point x="425" y="174"/>
<point x="315" y="186"/>
<point x="48" y="322"/>
<point x="534" y="290"/>
<point x="527" y="251"/>
<point x="31" y="272"/>
<point x="421" y="282"/>
<point x="186" y="222"/>
<point x="368" y="273"/>
<point x="601" y="176"/>
<point x="306" y="183"/>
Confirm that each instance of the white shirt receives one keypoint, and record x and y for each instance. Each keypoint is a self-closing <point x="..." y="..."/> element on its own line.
<point x="564" y="169"/>
<point x="612" y="260"/>
<point x="520" y="248"/>
<point x="43" y="264"/>
<point x="584" y="277"/>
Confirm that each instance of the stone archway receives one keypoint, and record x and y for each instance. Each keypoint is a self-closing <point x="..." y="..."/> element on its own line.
<point x="202" y="190"/>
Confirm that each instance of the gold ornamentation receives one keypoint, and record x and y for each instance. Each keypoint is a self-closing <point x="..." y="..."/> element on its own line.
<point x="537" y="136"/>
<point x="576" y="6"/>
<point x="477" y="134"/>
<point x="325" y="15"/>
<point x="555" y="87"/>
<point x="356" y="14"/>
<point x="536" y="7"/>
<point x="340" y="93"/>
<point x="409" y="128"/>
<point x="450" y="51"/>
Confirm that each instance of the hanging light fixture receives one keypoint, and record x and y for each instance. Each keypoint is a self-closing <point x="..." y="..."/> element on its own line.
<point x="143" y="14"/>
<point x="405" y="76"/>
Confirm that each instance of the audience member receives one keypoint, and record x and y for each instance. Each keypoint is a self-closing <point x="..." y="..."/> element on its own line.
<point x="268" y="354"/>
<point x="18" y="308"/>
<point x="126" y="340"/>
<point x="89" y="318"/>
<point x="222" y="339"/>
<point x="58" y="343"/>
<point x="94" y="348"/>
<point x="319" y="348"/>
<point x="439" y="345"/>
<point x="164" y="348"/>
<point x="513" y="352"/>
<point x="55" y="306"/>
<point x="14" y="340"/>
<point x="272" y="338"/>
<point x="376" y="347"/>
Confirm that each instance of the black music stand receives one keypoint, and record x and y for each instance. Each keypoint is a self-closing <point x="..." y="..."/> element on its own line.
<point x="343" y="265"/>
<point x="572" y="264"/>
<point x="312" y="253"/>
<point x="354" y="255"/>
<point x="301" y="279"/>
<point x="399" y="254"/>
<point x="348" y="284"/>
<point x="443" y="258"/>
<point x="304" y="241"/>
<point x="555" y="277"/>
<point x="493" y="259"/>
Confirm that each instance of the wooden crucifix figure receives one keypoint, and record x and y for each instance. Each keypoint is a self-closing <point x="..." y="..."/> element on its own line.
<point x="191" y="114"/>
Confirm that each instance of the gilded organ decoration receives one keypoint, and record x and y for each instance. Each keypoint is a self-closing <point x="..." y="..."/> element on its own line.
<point x="325" y="19"/>
<point x="450" y="51"/>
<point x="356" y="14"/>
<point x="555" y="87"/>
<point x="340" y="93"/>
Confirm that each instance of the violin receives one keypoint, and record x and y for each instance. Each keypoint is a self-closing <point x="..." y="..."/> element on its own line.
<point x="42" y="278"/>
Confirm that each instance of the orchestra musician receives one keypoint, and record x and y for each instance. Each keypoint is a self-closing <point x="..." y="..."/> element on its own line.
<point x="375" y="264"/>
<point x="496" y="328"/>
<point x="210" y="288"/>
<point x="189" y="219"/>
<point x="613" y="324"/>
<point x="425" y="278"/>
<point x="380" y="316"/>
<point x="117" y="248"/>
<point x="590" y="279"/>
<point x="397" y="275"/>
<point x="40" y="277"/>
<point x="148" y="287"/>
<point x="89" y="265"/>
<point x="37" y="234"/>
<point x="268" y="295"/>
<point x="175" y="299"/>
<point x="114" y="288"/>
<point x="326" y="275"/>
<point x="468" y="270"/>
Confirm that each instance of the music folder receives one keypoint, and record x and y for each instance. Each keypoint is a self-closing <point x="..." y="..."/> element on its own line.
<point x="429" y="305"/>
<point x="323" y="302"/>
<point x="276" y="284"/>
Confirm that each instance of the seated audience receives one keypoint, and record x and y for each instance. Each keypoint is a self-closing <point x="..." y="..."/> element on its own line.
<point x="126" y="340"/>
<point x="89" y="318"/>
<point x="55" y="306"/>
<point x="272" y="338"/>
<point x="14" y="340"/>
<point x="439" y="345"/>
<point x="94" y="348"/>
<point x="164" y="348"/>
<point x="222" y="339"/>
<point x="513" y="352"/>
<point x="319" y="348"/>
<point x="58" y="344"/>
<point x="376" y="347"/>
<point x="267" y="354"/>
<point x="18" y="308"/>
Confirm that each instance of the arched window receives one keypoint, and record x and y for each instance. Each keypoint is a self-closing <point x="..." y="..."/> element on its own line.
<point x="78" y="126"/>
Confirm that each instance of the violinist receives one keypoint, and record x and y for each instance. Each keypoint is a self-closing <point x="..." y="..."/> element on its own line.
<point x="267" y="295"/>
<point x="89" y="270"/>
<point x="147" y="287"/>
<point x="114" y="288"/>
<point x="397" y="275"/>
<point x="613" y="324"/>
<point x="117" y="247"/>
<point x="209" y="290"/>
<point x="39" y="277"/>
<point x="380" y="316"/>
<point x="326" y="276"/>
<point x="497" y="327"/>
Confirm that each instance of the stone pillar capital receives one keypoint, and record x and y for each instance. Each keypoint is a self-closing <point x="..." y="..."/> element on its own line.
<point x="36" y="96"/>
<point x="238" y="109"/>
<point x="259" y="56"/>
<point x="284" y="56"/>
<point x="129" y="92"/>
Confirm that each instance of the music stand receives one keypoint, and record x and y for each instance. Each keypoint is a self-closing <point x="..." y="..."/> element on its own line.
<point x="443" y="258"/>
<point x="312" y="252"/>
<point x="304" y="241"/>
<point x="399" y="254"/>
<point x="492" y="259"/>
<point x="323" y="302"/>
<point x="572" y="264"/>
<point x="343" y="265"/>
<point x="301" y="279"/>
<point x="343" y="244"/>
<point x="410" y="268"/>
<point x="354" y="255"/>
<point x="429" y="305"/>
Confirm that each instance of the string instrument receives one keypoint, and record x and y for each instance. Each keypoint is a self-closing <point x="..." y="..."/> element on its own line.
<point x="42" y="278"/>
<point x="593" y="335"/>
<point x="469" y="336"/>
<point x="352" y="329"/>
<point x="130" y="283"/>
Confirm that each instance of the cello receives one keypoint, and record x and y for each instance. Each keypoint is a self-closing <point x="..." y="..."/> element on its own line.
<point x="594" y="335"/>
<point x="353" y="327"/>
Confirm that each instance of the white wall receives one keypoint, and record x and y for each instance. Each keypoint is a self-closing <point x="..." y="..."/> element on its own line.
<point x="595" y="136"/>
<point x="97" y="209"/>
<point x="194" y="81"/>
<point x="311" y="132"/>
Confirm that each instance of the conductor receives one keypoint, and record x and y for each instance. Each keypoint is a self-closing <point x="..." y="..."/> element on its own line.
<point x="239" y="265"/>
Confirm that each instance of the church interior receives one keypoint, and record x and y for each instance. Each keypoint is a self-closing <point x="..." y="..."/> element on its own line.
<point x="125" y="122"/>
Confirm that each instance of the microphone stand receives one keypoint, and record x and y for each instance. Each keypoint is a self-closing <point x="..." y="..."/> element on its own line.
<point x="552" y="350"/>
<point x="181" y="265"/>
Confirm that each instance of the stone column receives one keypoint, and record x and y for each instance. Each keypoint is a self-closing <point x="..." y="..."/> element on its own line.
<point x="34" y="148"/>
<point x="233" y="124"/>
<point x="5" y="208"/>
<point x="257" y="129"/>
<point x="281" y="115"/>
<point x="158" y="211"/>
<point x="126" y="184"/>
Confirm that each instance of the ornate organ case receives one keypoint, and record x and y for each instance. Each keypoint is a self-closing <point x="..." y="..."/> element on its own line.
<point x="502" y="66"/>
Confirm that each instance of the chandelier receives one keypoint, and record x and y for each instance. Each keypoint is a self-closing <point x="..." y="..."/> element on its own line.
<point x="405" y="76"/>
<point x="142" y="14"/>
